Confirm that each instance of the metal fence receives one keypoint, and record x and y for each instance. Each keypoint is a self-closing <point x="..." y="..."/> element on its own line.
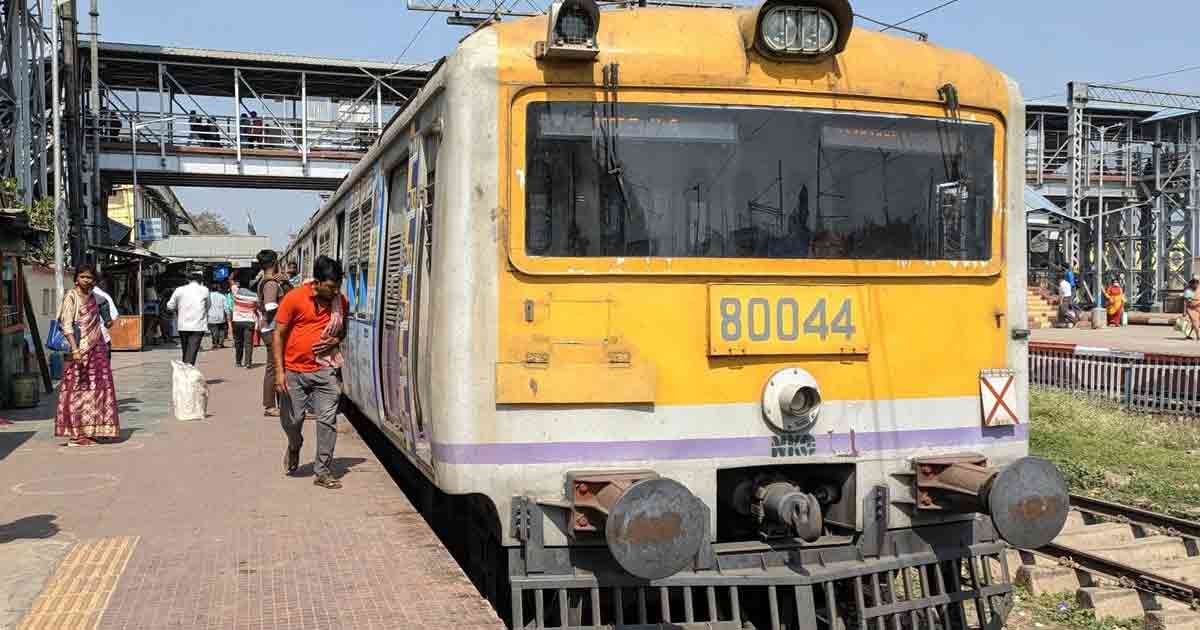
<point x="228" y="132"/>
<point x="1157" y="383"/>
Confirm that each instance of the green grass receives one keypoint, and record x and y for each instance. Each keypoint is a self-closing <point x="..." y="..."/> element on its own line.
<point x="1061" y="611"/>
<point x="1115" y="454"/>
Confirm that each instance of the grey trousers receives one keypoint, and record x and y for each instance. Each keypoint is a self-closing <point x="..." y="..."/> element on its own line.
<point x="319" y="392"/>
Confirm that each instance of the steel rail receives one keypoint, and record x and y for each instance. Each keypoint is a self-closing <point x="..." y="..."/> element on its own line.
<point x="1170" y="525"/>
<point x="1124" y="574"/>
<point x="1128" y="575"/>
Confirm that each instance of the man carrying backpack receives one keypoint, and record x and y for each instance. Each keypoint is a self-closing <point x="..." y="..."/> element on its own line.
<point x="271" y="289"/>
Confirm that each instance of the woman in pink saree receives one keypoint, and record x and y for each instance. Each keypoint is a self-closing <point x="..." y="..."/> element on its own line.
<point x="87" y="399"/>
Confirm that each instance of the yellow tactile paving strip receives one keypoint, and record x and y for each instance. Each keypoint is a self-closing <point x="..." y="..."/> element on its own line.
<point x="77" y="594"/>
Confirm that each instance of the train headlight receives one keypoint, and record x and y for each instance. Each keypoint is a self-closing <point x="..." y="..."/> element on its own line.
<point x="802" y="31"/>
<point x="570" y="31"/>
<point x="799" y="30"/>
<point x="791" y="400"/>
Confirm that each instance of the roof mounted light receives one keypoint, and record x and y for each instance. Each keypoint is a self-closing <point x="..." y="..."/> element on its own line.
<point x="570" y="31"/>
<point x="802" y="30"/>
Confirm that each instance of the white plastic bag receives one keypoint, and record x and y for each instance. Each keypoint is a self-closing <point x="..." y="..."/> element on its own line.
<point x="189" y="391"/>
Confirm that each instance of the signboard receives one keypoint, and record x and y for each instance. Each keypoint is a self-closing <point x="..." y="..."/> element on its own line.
<point x="149" y="230"/>
<point x="882" y="135"/>
<point x="572" y="123"/>
<point x="997" y="393"/>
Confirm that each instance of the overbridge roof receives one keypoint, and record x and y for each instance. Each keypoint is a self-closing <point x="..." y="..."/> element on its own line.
<point x="208" y="72"/>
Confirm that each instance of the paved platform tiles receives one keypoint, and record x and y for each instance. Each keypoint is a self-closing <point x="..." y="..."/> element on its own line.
<point x="190" y="525"/>
<point x="1149" y="339"/>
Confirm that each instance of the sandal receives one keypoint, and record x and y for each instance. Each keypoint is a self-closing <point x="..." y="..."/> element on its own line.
<point x="273" y="412"/>
<point x="83" y="441"/>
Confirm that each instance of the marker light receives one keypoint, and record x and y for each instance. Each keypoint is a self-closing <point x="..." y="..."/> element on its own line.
<point x="570" y="31"/>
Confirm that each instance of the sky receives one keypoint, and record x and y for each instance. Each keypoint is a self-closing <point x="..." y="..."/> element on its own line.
<point x="1042" y="44"/>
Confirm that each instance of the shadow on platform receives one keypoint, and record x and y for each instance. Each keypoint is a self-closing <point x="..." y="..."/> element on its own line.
<point x="12" y="440"/>
<point x="341" y="466"/>
<point x="40" y="526"/>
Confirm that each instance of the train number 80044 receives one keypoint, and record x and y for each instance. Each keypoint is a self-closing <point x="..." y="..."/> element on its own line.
<point x="773" y="319"/>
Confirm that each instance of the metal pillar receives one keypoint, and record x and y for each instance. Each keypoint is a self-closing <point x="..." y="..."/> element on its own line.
<point x="304" y="120"/>
<point x="378" y="107"/>
<point x="237" y="110"/>
<point x="18" y="75"/>
<point x="60" y="225"/>
<point x="162" y="107"/>
<point x="1098" y="313"/>
<point x="1160" y="272"/>
<point x="1077" y="102"/>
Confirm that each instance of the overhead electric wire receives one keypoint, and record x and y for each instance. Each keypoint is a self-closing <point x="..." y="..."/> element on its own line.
<point x="1135" y="79"/>
<point x="921" y="14"/>
<point x="921" y="35"/>
<point x="413" y="40"/>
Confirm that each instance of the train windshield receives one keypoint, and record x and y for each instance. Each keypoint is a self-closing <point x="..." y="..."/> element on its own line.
<point x="742" y="182"/>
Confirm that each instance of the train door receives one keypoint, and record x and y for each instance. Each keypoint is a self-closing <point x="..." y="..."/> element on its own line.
<point x="422" y="330"/>
<point x="362" y="256"/>
<point x="395" y="323"/>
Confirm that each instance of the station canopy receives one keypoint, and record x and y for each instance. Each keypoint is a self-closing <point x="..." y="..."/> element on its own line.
<point x="206" y="72"/>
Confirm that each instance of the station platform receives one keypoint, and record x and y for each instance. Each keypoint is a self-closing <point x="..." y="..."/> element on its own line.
<point x="1147" y="339"/>
<point x="190" y="525"/>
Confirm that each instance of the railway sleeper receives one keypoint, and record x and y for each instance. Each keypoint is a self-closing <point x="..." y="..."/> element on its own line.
<point x="1123" y="541"/>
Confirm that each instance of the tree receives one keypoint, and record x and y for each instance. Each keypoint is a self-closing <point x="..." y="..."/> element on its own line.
<point x="41" y="218"/>
<point x="209" y="222"/>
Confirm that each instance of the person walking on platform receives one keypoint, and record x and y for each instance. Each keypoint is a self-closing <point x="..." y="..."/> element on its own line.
<point x="1066" y="303"/>
<point x="244" y="314"/>
<point x="1114" y="304"/>
<point x="190" y="303"/>
<point x="294" y="274"/>
<point x="309" y="329"/>
<point x="1191" y="307"/>
<point x="217" y="318"/>
<point x="108" y="313"/>
<point x="87" y="398"/>
<point x="271" y="289"/>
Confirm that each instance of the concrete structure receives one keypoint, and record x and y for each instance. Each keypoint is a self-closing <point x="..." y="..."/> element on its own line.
<point x="157" y="202"/>
<point x="238" y="249"/>
<point x="192" y="525"/>
<point x="1129" y="156"/>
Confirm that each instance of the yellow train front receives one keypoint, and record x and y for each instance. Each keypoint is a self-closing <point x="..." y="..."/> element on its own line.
<point x="715" y="315"/>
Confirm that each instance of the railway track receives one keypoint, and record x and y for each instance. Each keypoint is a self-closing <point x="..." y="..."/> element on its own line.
<point x="1123" y="562"/>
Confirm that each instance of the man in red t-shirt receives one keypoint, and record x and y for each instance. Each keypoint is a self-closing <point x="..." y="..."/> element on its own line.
<point x="309" y="329"/>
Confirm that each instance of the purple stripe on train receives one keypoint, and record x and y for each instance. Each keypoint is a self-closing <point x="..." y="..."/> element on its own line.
<point x="707" y="448"/>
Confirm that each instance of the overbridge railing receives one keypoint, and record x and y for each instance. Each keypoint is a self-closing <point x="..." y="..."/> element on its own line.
<point x="245" y="134"/>
<point x="1157" y="383"/>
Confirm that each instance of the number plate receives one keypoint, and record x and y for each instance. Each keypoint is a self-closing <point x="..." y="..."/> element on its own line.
<point x="752" y="319"/>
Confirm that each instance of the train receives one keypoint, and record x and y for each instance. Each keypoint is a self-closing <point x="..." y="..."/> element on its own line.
<point x="706" y="316"/>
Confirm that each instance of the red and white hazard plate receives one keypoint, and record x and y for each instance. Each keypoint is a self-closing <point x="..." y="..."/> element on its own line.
<point x="998" y="393"/>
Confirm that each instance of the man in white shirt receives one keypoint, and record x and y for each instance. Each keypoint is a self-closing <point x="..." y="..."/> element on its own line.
<point x="190" y="303"/>
<point x="1066" y="302"/>
<point x="113" y="314"/>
